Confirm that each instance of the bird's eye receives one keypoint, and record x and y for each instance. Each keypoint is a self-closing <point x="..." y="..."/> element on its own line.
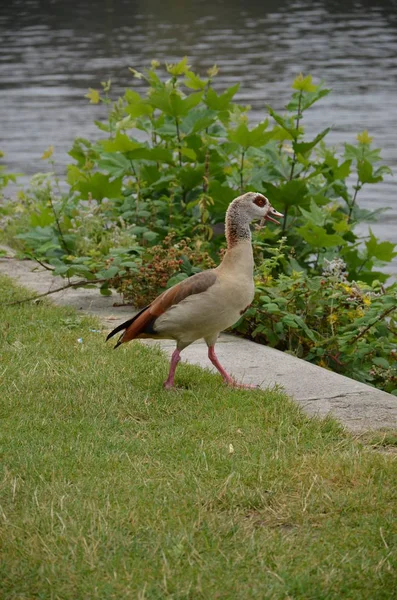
<point x="260" y="201"/>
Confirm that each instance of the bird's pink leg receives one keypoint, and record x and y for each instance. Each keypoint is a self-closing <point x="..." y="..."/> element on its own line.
<point x="226" y="377"/>
<point x="175" y="358"/>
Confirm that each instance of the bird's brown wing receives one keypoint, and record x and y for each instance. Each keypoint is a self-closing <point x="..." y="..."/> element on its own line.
<point x="143" y="322"/>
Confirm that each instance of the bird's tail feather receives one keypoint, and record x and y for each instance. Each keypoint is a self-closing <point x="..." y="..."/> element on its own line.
<point x="124" y="326"/>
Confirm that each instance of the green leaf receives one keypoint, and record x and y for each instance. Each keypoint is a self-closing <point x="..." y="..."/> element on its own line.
<point x="155" y="154"/>
<point x="120" y="143"/>
<point x="316" y="215"/>
<point x="272" y="308"/>
<point x="188" y="153"/>
<point x="116" y="164"/>
<point x="309" y="332"/>
<point x="74" y="175"/>
<point x="137" y="106"/>
<point x="150" y="236"/>
<point x="105" y="291"/>
<point x="256" y="137"/>
<point x="380" y="362"/>
<point x="222" y="196"/>
<point x="304" y="147"/>
<point x="191" y="177"/>
<point x="343" y="170"/>
<point x="304" y="84"/>
<point x="107" y="273"/>
<point x="197" y="120"/>
<point x="99" y="186"/>
<point x="180" y="68"/>
<point x="221" y="101"/>
<point x="291" y="193"/>
<point x="318" y="237"/>
<point x="381" y="250"/>
<point x="287" y="125"/>
<point x="42" y="218"/>
<point x="366" y="172"/>
<point x="176" y="279"/>
<point x="194" y="82"/>
<point x="102" y="126"/>
<point x="93" y="96"/>
<point x="310" y="99"/>
<point x="171" y="102"/>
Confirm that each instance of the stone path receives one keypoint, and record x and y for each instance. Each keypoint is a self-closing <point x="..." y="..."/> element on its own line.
<point x="319" y="392"/>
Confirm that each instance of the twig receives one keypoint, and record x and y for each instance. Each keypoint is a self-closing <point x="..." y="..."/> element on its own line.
<point x="179" y="140"/>
<point x="381" y="316"/>
<point x="48" y="268"/>
<point x="60" y="289"/>
<point x="206" y="172"/>
<point x="65" y="246"/>
<point x="357" y="188"/>
<point x="291" y="175"/>
<point x="242" y="172"/>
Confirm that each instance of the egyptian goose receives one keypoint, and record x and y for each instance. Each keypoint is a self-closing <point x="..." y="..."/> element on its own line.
<point x="207" y="303"/>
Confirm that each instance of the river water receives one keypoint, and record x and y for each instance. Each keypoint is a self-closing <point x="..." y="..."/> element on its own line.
<point x="51" y="51"/>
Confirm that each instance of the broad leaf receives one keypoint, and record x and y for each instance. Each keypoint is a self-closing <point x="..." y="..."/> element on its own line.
<point x="318" y="237"/>
<point x="381" y="250"/>
<point x="116" y="164"/>
<point x="197" y="120"/>
<point x="99" y="186"/>
<point x="120" y="143"/>
<point x="291" y="193"/>
<point x="194" y="82"/>
<point x="304" y="147"/>
<point x="221" y="101"/>
<point x="304" y="84"/>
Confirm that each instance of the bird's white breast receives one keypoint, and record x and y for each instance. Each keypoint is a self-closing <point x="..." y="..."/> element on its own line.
<point x="220" y="306"/>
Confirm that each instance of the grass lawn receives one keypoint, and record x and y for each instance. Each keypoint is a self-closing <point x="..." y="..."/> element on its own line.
<point x="113" y="488"/>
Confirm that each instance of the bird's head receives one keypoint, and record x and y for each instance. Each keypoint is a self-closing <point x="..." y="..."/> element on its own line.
<point x="257" y="206"/>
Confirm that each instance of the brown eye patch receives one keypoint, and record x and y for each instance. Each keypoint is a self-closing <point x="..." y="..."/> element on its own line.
<point x="260" y="201"/>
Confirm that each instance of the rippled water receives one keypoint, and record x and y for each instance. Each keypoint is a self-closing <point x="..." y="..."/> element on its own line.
<point x="52" y="51"/>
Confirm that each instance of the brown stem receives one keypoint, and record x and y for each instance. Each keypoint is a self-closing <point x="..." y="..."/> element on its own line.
<point x="206" y="172"/>
<point x="285" y="219"/>
<point x="60" y="289"/>
<point x="293" y="159"/>
<point x="381" y="316"/>
<point x="354" y="200"/>
<point x="64" y="244"/>
<point x="179" y="141"/>
<point x="48" y="268"/>
<point x="242" y="171"/>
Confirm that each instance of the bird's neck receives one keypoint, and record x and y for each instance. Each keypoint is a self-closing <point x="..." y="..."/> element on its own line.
<point x="239" y="255"/>
<point x="237" y="226"/>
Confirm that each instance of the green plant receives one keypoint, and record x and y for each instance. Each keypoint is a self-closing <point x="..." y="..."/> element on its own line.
<point x="6" y="208"/>
<point x="163" y="266"/>
<point x="175" y="152"/>
<point x="348" y="327"/>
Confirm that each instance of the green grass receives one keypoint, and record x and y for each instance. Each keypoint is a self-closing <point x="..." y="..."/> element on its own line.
<point x="113" y="488"/>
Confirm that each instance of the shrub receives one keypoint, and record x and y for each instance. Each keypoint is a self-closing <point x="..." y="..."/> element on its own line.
<point x="348" y="327"/>
<point x="163" y="266"/>
<point x="174" y="153"/>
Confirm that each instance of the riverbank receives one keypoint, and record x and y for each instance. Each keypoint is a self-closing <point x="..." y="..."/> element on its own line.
<point x="317" y="391"/>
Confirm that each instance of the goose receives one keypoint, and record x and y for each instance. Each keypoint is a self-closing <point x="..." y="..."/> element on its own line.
<point x="205" y="304"/>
